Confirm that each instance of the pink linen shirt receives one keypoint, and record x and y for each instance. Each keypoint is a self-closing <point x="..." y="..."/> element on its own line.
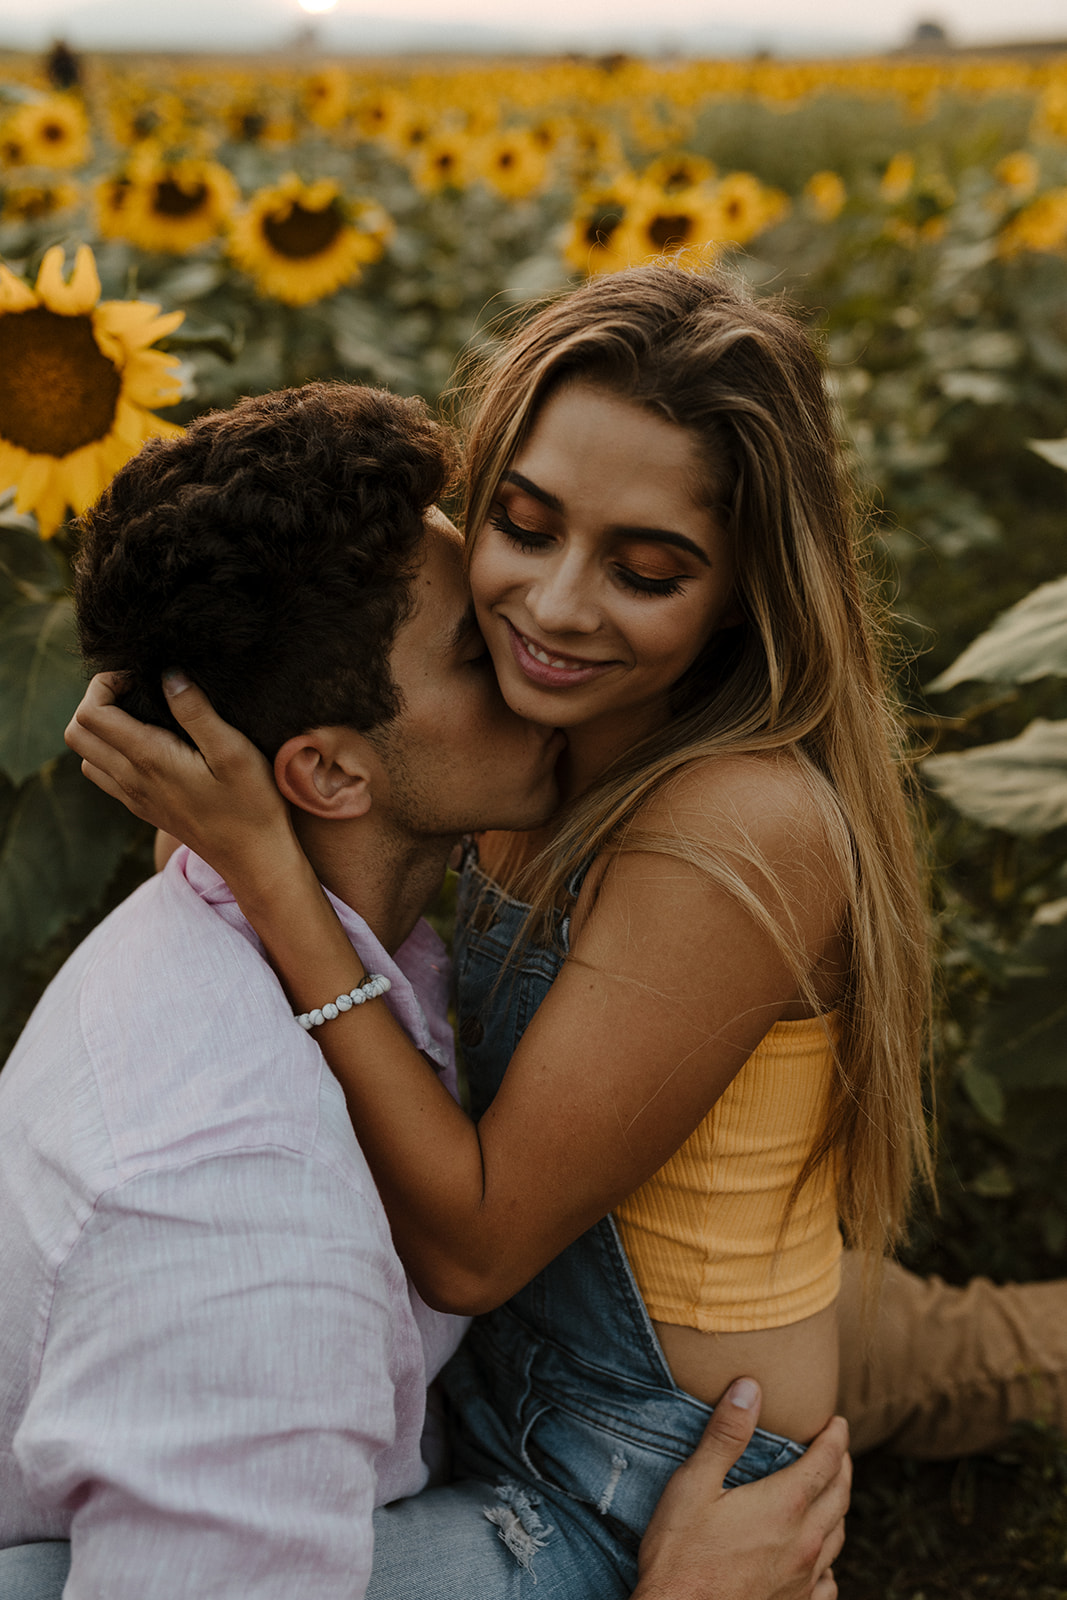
<point x="212" y="1365"/>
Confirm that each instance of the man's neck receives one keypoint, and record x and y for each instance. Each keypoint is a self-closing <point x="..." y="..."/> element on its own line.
<point x="386" y="880"/>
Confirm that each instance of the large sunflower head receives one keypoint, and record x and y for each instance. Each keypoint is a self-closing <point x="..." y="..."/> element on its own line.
<point x="53" y="132"/>
<point x="77" y="381"/>
<point x="172" y="206"/>
<point x="300" y="242"/>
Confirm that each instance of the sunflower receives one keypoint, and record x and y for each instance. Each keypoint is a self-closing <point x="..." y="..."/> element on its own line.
<point x="32" y="202"/>
<point x="662" y="223"/>
<point x="443" y="162"/>
<point x="324" y="96"/>
<point x="76" y="382"/>
<point x="678" y="169"/>
<point x="745" y="207"/>
<point x="897" y="178"/>
<point x="47" y="133"/>
<point x="381" y="115"/>
<point x="1019" y="173"/>
<point x="596" y="239"/>
<point x="1041" y="225"/>
<point x="170" y="205"/>
<point x="826" y="195"/>
<point x="513" y="164"/>
<point x="299" y="242"/>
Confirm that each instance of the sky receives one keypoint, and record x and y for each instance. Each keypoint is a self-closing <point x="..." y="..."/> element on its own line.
<point x="702" y="24"/>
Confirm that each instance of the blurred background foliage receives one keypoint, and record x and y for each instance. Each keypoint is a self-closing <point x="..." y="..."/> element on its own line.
<point x="371" y="220"/>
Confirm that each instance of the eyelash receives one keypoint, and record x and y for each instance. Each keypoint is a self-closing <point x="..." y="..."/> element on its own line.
<point x="527" y="541"/>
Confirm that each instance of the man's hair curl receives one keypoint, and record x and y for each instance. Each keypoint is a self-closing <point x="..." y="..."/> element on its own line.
<point x="268" y="552"/>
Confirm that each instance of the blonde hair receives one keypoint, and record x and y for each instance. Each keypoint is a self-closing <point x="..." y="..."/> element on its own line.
<point x="801" y="674"/>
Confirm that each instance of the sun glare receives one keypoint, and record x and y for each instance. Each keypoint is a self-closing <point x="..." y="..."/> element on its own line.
<point x="317" y="7"/>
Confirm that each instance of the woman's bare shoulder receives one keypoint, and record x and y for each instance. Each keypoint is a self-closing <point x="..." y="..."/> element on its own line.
<point x="773" y="804"/>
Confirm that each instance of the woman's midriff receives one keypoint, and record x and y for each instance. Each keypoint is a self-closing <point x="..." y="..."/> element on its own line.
<point x="795" y="1366"/>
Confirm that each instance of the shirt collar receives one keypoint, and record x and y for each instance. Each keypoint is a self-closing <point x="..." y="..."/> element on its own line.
<point x="419" y="972"/>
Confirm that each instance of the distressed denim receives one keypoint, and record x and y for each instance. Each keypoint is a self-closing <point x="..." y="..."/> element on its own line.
<point x="566" y="1422"/>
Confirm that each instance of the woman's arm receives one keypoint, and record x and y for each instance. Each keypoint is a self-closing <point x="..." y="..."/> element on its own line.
<point x="670" y="986"/>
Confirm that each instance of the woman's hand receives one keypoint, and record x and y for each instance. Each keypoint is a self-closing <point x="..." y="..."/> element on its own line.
<point x="218" y="796"/>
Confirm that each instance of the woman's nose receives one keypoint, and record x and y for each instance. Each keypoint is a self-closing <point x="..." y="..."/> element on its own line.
<point x="562" y="599"/>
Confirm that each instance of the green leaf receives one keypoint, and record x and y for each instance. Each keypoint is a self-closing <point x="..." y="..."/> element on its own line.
<point x="63" y="841"/>
<point x="1054" y="450"/>
<point x="995" y="1183"/>
<point x="41" y="682"/>
<point x="984" y="1092"/>
<point x="1019" y="785"/>
<point x="220" y="340"/>
<point x="28" y="564"/>
<point x="1028" y="641"/>
<point x="1022" y="1039"/>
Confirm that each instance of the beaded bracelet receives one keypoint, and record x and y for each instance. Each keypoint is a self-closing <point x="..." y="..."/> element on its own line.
<point x="374" y="984"/>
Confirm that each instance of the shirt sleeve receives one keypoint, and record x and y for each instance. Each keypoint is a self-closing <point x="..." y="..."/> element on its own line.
<point x="217" y="1383"/>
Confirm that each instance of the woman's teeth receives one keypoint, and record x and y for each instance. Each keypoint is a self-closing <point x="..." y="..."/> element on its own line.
<point x="550" y="661"/>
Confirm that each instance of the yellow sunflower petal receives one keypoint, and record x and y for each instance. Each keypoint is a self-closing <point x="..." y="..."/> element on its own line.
<point x="14" y="294"/>
<point x="50" y="511"/>
<point x="149" y="379"/>
<point x="129" y="425"/>
<point x="71" y="299"/>
<point x="13" y="462"/>
<point x="84" y="477"/>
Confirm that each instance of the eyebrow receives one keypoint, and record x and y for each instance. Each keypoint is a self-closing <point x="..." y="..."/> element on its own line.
<point x="651" y="535"/>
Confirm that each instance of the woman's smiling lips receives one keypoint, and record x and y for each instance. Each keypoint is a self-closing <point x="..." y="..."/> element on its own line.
<point x="549" y="670"/>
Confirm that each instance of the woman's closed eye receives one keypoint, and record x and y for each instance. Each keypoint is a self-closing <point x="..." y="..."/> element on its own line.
<point x="523" y="538"/>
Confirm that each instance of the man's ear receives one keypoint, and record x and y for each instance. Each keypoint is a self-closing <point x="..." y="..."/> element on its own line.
<point x="328" y="772"/>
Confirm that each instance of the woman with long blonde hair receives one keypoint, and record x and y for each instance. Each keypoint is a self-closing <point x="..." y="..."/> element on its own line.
<point x="693" y="1006"/>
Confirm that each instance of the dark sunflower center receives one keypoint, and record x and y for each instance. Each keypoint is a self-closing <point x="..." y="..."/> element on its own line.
<point x="667" y="228"/>
<point x="600" y="226"/>
<point x="304" y="233"/>
<point x="54" y="132"/>
<point x="170" y="199"/>
<point x="58" y="391"/>
<point x="505" y="159"/>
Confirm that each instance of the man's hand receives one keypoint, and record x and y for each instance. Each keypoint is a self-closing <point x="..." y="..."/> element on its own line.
<point x="771" y="1540"/>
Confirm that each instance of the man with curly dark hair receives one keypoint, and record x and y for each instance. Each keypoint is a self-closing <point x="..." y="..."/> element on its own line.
<point x="213" y="1365"/>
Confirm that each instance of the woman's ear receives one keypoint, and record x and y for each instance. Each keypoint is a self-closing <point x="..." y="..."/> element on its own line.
<point x="328" y="772"/>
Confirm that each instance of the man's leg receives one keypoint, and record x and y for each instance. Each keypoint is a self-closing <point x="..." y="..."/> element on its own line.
<point x="935" y="1371"/>
<point x="34" y="1571"/>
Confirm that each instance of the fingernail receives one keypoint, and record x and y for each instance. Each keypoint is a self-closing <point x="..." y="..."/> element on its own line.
<point x="743" y="1394"/>
<point x="175" y="681"/>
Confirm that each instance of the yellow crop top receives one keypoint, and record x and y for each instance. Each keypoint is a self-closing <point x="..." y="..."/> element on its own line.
<point x="704" y="1235"/>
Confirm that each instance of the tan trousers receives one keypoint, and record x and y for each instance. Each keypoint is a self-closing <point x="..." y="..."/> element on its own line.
<point x="935" y="1371"/>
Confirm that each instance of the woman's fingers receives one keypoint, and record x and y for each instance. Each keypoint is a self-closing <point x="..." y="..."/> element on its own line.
<point x="219" y="743"/>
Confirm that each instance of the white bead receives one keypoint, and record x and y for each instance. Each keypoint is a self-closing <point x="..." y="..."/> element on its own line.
<point x="330" y="1011"/>
<point x="305" y="1022"/>
<point x="317" y="1018"/>
<point x="343" y="1002"/>
<point x="358" y="996"/>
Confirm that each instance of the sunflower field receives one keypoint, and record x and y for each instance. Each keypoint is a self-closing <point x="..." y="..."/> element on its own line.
<point x="175" y="233"/>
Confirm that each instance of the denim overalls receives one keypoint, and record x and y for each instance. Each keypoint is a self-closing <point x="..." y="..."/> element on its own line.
<point x="561" y="1402"/>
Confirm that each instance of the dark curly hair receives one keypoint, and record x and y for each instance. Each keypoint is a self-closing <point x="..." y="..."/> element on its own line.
<point x="268" y="552"/>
